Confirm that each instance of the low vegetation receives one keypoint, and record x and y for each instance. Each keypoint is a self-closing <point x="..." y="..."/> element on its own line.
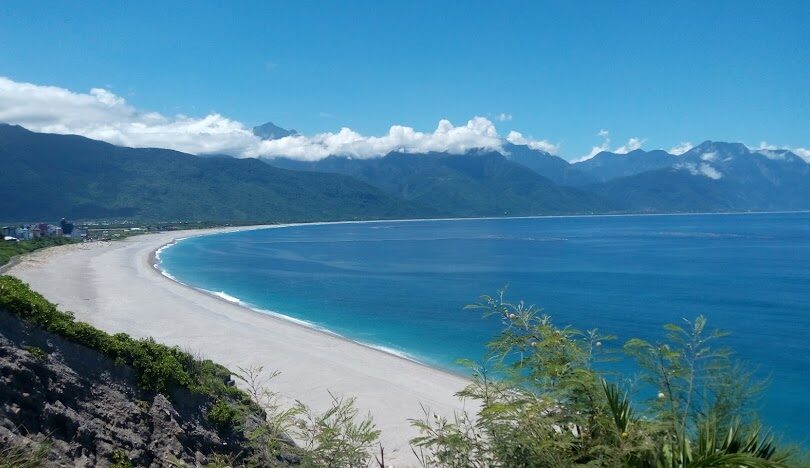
<point x="158" y="367"/>
<point x="10" y="249"/>
<point x="545" y="402"/>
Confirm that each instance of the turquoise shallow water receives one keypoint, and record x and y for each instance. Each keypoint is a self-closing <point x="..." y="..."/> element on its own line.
<point x="402" y="285"/>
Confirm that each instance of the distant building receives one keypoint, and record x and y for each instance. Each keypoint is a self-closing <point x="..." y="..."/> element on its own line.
<point x="9" y="231"/>
<point x="36" y="231"/>
<point x="67" y="227"/>
<point x="24" y="233"/>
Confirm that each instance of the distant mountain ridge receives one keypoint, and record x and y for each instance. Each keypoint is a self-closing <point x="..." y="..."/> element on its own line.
<point x="54" y="176"/>
<point x="48" y="176"/>
<point x="271" y="131"/>
<point x="478" y="183"/>
<point x="713" y="176"/>
<point x="606" y="165"/>
<point x="716" y="176"/>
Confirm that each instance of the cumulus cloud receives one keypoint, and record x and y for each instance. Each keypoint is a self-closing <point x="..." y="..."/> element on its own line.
<point x="517" y="138"/>
<point x="478" y="133"/>
<point x="681" y="148"/>
<point x="102" y="115"/>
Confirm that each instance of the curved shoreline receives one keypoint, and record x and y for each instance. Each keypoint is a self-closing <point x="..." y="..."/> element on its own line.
<point x="154" y="262"/>
<point x="114" y="287"/>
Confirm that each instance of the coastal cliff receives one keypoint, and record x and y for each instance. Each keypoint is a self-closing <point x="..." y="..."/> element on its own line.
<point x="66" y="404"/>
<point x="69" y="405"/>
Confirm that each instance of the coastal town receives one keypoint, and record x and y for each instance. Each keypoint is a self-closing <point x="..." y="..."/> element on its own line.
<point x="25" y="232"/>
<point x="93" y="231"/>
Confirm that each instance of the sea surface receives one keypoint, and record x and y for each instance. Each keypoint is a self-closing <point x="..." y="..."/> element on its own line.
<point x="401" y="286"/>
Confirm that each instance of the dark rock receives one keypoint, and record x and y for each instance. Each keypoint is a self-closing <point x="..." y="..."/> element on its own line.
<point x="89" y="410"/>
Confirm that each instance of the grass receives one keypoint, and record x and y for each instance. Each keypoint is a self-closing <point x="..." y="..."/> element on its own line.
<point x="23" y="456"/>
<point x="11" y="249"/>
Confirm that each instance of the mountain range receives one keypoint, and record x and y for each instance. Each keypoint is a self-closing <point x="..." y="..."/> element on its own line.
<point x="51" y="176"/>
<point x="710" y="177"/>
<point x="48" y="176"/>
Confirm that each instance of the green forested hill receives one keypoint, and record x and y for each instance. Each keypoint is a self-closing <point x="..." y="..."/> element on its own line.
<point x="47" y="176"/>
<point x="472" y="184"/>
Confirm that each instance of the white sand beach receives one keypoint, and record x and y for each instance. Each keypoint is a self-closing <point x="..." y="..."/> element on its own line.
<point x="113" y="286"/>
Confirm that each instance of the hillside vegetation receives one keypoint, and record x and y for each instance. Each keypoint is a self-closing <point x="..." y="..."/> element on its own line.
<point x="473" y="184"/>
<point x="71" y="394"/>
<point x="11" y="249"/>
<point x="48" y="176"/>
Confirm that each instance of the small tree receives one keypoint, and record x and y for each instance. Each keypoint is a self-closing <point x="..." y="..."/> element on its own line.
<point x="547" y="403"/>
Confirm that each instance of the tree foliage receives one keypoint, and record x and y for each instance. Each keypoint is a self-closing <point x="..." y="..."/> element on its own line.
<point x="545" y="401"/>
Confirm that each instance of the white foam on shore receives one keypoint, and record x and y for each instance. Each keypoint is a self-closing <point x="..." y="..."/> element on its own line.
<point x="159" y="251"/>
<point x="388" y="350"/>
<point x="166" y="273"/>
<point x="226" y="296"/>
<point x="304" y="323"/>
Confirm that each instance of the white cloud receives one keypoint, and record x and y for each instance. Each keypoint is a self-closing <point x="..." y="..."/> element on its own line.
<point x="768" y="150"/>
<point x="803" y="153"/>
<point x="102" y="115"/>
<point x="631" y="145"/>
<point x="709" y="156"/>
<point x="681" y="148"/>
<point x="478" y="133"/>
<point x="710" y="171"/>
<point x="605" y="146"/>
<point x="517" y="138"/>
<point x="703" y="169"/>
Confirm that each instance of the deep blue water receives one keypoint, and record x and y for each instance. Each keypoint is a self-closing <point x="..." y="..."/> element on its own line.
<point x="402" y="285"/>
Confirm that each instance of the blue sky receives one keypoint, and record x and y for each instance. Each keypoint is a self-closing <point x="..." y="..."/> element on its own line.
<point x="563" y="71"/>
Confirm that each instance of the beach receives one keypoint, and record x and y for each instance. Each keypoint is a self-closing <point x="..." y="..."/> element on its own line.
<point x="115" y="287"/>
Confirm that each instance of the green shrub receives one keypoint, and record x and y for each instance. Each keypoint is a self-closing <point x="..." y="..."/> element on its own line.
<point x="158" y="367"/>
<point x="38" y="352"/>
<point x="224" y="414"/>
<point x="119" y="459"/>
<point x="551" y="406"/>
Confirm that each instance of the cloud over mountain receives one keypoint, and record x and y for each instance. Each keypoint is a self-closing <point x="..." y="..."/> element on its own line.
<point x="101" y="114"/>
<point x="517" y="138"/>
<point x="477" y="133"/>
<point x="632" y="144"/>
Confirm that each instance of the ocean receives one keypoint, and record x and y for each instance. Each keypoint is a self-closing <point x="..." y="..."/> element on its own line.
<point x="401" y="286"/>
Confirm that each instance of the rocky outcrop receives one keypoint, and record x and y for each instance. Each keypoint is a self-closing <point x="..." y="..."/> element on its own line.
<point x="82" y="409"/>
